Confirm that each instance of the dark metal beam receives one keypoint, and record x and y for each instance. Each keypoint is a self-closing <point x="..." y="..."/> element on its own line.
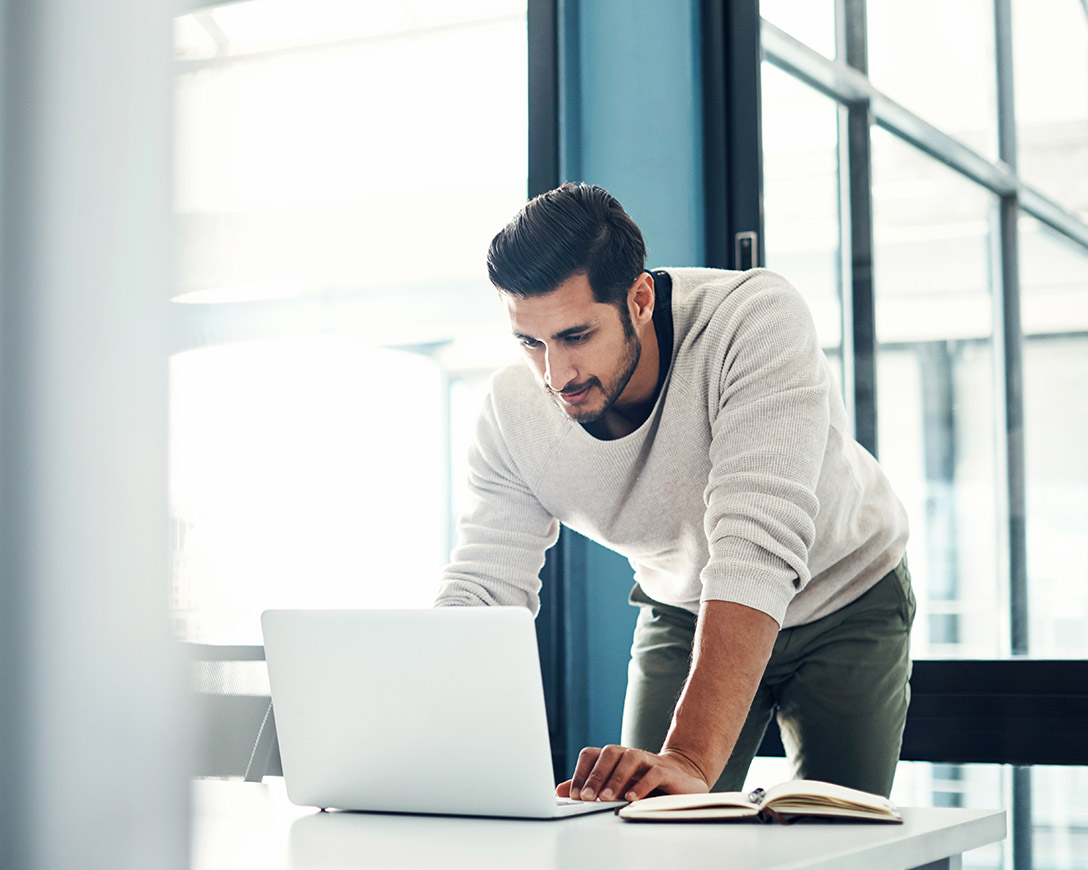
<point x="1019" y="711"/>
<point x="859" y="184"/>
<point x="1012" y="353"/>
<point x="718" y="238"/>
<point x="544" y="166"/>
<point x="1009" y="336"/>
<point x="542" y="23"/>
<point x="733" y="148"/>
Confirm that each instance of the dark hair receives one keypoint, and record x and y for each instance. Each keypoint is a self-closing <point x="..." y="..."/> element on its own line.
<point x="573" y="230"/>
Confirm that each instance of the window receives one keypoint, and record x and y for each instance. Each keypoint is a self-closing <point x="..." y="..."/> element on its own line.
<point x="801" y="196"/>
<point x="969" y="203"/>
<point x="1050" y="52"/>
<point x="341" y="170"/>
<point x="935" y="398"/>
<point x="1054" y="282"/>
<point x="957" y="41"/>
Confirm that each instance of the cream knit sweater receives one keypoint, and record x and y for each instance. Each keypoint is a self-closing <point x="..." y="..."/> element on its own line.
<point x="743" y="485"/>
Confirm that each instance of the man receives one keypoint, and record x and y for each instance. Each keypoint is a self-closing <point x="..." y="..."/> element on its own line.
<point x="686" y="419"/>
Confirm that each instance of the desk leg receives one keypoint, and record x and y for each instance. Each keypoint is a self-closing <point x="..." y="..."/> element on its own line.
<point x="262" y="748"/>
<point x="955" y="862"/>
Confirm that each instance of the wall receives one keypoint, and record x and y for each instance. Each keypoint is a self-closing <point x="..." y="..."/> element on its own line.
<point x="93" y="737"/>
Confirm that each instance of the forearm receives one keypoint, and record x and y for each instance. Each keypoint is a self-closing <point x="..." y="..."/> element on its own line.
<point x="501" y="536"/>
<point x="732" y="645"/>
<point x="497" y="565"/>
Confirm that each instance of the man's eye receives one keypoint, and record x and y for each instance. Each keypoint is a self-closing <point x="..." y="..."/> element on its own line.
<point x="529" y="342"/>
<point x="577" y="339"/>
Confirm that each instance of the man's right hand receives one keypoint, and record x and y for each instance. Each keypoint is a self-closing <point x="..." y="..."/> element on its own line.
<point x="619" y="773"/>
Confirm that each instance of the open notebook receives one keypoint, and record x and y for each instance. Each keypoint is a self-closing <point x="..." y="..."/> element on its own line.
<point x="790" y="801"/>
<point x="413" y="711"/>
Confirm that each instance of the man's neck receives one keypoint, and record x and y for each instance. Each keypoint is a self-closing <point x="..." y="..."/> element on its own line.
<point x="637" y="402"/>
<point x="619" y="421"/>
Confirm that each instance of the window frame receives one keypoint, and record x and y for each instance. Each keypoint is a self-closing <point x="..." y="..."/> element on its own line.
<point x="1016" y="733"/>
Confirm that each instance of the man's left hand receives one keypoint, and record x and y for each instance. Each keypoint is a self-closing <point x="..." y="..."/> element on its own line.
<point x="619" y="773"/>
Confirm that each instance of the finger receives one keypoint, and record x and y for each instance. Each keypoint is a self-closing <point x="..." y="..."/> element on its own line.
<point x="630" y="766"/>
<point x="644" y="784"/>
<point x="563" y="789"/>
<point x="586" y="759"/>
<point x="606" y="762"/>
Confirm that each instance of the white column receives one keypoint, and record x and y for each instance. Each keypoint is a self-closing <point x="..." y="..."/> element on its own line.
<point x="93" y="742"/>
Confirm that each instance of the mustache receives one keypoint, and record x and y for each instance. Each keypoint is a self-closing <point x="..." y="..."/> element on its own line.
<point x="570" y="389"/>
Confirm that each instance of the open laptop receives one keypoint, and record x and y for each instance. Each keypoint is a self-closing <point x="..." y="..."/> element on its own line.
<point x="413" y="711"/>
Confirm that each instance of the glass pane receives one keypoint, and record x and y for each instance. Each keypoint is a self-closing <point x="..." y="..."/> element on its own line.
<point x="801" y="198"/>
<point x="1054" y="307"/>
<point x="1059" y="808"/>
<point x="935" y="392"/>
<point x="290" y="485"/>
<point x="1050" y="67"/>
<point x="973" y="786"/>
<point x="351" y="166"/>
<point x="937" y="59"/>
<point x="1059" y="812"/>
<point x="1059" y="805"/>
<point x="340" y="172"/>
<point x="809" y="21"/>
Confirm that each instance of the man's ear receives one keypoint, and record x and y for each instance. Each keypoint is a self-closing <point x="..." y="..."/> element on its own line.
<point x="640" y="299"/>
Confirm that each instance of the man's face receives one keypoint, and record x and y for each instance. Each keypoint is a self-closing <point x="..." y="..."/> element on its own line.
<point x="584" y="351"/>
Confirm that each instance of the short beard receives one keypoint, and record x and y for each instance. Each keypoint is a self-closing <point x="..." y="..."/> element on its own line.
<point x="632" y="353"/>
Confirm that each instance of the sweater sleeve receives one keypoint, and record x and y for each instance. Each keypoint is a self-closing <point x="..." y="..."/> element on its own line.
<point x="769" y="421"/>
<point x="503" y="533"/>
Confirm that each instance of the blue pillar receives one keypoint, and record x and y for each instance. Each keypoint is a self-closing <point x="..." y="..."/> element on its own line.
<point x="630" y="120"/>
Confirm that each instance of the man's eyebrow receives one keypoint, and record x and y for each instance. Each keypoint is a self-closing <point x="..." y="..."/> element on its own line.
<point x="559" y="336"/>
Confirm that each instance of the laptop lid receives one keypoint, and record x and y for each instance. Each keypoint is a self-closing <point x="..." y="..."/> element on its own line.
<point x="422" y="711"/>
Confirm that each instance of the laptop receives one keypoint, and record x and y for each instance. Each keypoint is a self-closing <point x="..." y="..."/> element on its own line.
<point x="413" y="711"/>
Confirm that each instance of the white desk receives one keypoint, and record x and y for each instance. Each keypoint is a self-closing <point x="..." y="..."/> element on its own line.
<point x="240" y="825"/>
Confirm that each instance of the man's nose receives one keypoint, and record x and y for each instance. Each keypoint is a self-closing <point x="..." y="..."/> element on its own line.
<point x="558" y="371"/>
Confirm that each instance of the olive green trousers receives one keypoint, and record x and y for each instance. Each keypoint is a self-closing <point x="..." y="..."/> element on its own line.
<point x="838" y="686"/>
